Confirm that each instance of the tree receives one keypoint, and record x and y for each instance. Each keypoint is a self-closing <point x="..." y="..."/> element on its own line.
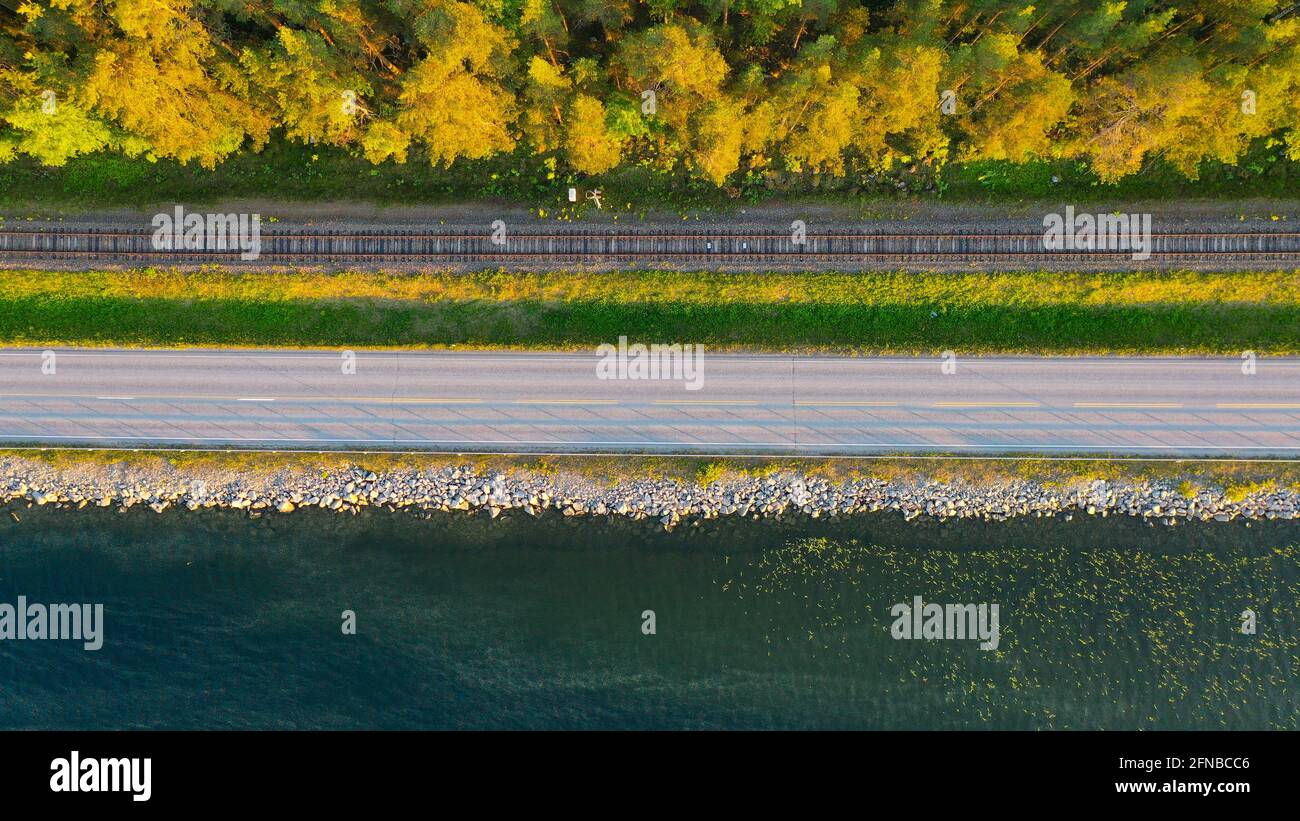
<point x="1160" y="108"/>
<point x="453" y="99"/>
<point x="819" y="86"/>
<point x="50" y="130"/>
<point x="159" y="78"/>
<point x="679" y="62"/>
<point x="317" y="94"/>
<point x="899" y="115"/>
<point x="814" y="108"/>
<point x="719" y="133"/>
<point x="1009" y="102"/>
<point x="546" y="95"/>
<point x="588" y="145"/>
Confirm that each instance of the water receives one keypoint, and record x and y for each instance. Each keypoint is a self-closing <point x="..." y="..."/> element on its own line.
<point x="213" y="620"/>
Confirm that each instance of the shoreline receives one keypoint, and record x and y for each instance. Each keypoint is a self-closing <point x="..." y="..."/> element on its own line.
<point x="671" y="501"/>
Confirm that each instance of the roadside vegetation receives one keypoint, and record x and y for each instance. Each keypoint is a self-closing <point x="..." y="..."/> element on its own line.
<point x="1238" y="478"/>
<point x="922" y="313"/>
<point x="690" y="102"/>
<point x="290" y="172"/>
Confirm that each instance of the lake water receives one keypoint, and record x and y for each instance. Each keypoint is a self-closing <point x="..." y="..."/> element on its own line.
<point x="213" y="620"/>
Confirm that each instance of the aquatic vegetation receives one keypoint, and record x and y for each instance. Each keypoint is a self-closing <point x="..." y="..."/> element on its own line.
<point x="1109" y="637"/>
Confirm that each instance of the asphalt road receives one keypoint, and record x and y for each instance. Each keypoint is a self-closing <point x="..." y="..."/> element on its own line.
<point x="517" y="402"/>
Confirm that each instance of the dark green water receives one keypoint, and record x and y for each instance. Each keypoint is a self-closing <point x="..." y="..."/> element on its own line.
<point x="216" y="621"/>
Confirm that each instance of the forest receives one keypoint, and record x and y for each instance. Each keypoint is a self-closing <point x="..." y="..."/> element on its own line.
<point x="722" y="91"/>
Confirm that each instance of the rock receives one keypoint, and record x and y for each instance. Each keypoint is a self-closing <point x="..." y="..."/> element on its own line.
<point x="668" y="501"/>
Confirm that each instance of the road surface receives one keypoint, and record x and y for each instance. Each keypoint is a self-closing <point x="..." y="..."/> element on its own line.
<point x="525" y="402"/>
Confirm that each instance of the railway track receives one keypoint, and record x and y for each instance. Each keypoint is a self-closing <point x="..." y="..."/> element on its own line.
<point x="297" y="245"/>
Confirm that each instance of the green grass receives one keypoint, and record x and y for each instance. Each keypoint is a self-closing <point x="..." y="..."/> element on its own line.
<point x="1042" y="312"/>
<point x="1263" y="172"/>
<point x="290" y="171"/>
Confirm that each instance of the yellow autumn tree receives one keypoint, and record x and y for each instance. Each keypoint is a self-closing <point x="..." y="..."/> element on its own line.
<point x="680" y="64"/>
<point x="159" y="80"/>
<point x="815" y="109"/>
<point x="1008" y="102"/>
<point x="546" y="95"/>
<point x="718" y="136"/>
<point x="898" y="111"/>
<point x="316" y="94"/>
<point x="453" y="99"/>
<point x="588" y="145"/>
<point x="1162" y="108"/>
<point x="44" y="126"/>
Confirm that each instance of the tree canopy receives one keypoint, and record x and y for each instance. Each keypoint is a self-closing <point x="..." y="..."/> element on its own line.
<point x="717" y="89"/>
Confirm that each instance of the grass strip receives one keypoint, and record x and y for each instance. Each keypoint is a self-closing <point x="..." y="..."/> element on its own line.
<point x="293" y="171"/>
<point x="1035" y="312"/>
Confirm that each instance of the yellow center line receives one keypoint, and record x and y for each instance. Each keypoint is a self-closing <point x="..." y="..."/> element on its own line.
<point x="412" y="400"/>
<point x="210" y="398"/>
<point x="566" y="402"/>
<point x="986" y="405"/>
<point x="847" y="404"/>
<point x="1260" y="405"/>
<point x="1152" y="405"/>
<point x="704" y="402"/>
<point x="107" y="396"/>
